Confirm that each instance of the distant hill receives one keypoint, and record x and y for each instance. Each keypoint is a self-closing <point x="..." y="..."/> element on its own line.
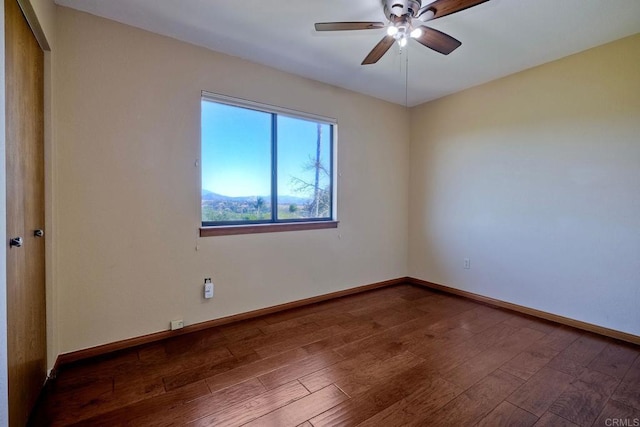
<point x="215" y="197"/>
<point x="293" y="200"/>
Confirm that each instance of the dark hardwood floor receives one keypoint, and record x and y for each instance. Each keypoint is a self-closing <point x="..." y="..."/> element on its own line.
<point x="396" y="356"/>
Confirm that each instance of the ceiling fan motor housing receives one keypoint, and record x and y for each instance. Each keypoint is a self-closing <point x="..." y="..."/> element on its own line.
<point x="401" y="8"/>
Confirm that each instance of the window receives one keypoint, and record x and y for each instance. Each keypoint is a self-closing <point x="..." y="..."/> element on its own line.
<point x="264" y="165"/>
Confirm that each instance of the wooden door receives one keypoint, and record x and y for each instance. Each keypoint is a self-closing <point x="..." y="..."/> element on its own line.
<point x="26" y="316"/>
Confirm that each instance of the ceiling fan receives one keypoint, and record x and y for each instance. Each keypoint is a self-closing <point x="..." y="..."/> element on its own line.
<point x="405" y="21"/>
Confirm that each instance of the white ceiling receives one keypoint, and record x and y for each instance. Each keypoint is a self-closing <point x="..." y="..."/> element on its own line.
<point x="498" y="38"/>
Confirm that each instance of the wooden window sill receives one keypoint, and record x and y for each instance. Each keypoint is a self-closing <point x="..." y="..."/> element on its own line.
<point x="229" y="230"/>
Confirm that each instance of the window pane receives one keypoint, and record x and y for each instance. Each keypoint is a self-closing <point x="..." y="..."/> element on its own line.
<point x="304" y="169"/>
<point x="236" y="164"/>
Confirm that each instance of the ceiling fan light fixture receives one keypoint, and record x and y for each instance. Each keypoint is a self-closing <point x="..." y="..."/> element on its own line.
<point x="392" y="30"/>
<point x="417" y="32"/>
<point x="403" y="41"/>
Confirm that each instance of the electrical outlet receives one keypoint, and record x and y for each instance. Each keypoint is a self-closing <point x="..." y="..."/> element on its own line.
<point x="467" y="263"/>
<point x="208" y="288"/>
<point x="177" y="324"/>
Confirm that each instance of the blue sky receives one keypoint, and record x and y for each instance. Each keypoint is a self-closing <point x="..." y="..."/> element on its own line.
<point x="236" y="150"/>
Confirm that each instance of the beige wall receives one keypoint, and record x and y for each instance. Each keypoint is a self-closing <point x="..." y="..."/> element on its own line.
<point x="127" y="114"/>
<point x="536" y="178"/>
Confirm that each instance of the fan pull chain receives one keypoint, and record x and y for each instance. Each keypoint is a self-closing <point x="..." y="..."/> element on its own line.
<point x="406" y="79"/>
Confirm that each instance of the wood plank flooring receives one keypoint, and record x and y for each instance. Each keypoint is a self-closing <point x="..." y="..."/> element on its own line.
<point x="397" y="356"/>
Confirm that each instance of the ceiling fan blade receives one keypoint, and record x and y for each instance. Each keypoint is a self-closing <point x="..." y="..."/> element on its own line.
<point x="381" y="48"/>
<point x="438" y="41"/>
<point x="345" y="26"/>
<point x="442" y="8"/>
